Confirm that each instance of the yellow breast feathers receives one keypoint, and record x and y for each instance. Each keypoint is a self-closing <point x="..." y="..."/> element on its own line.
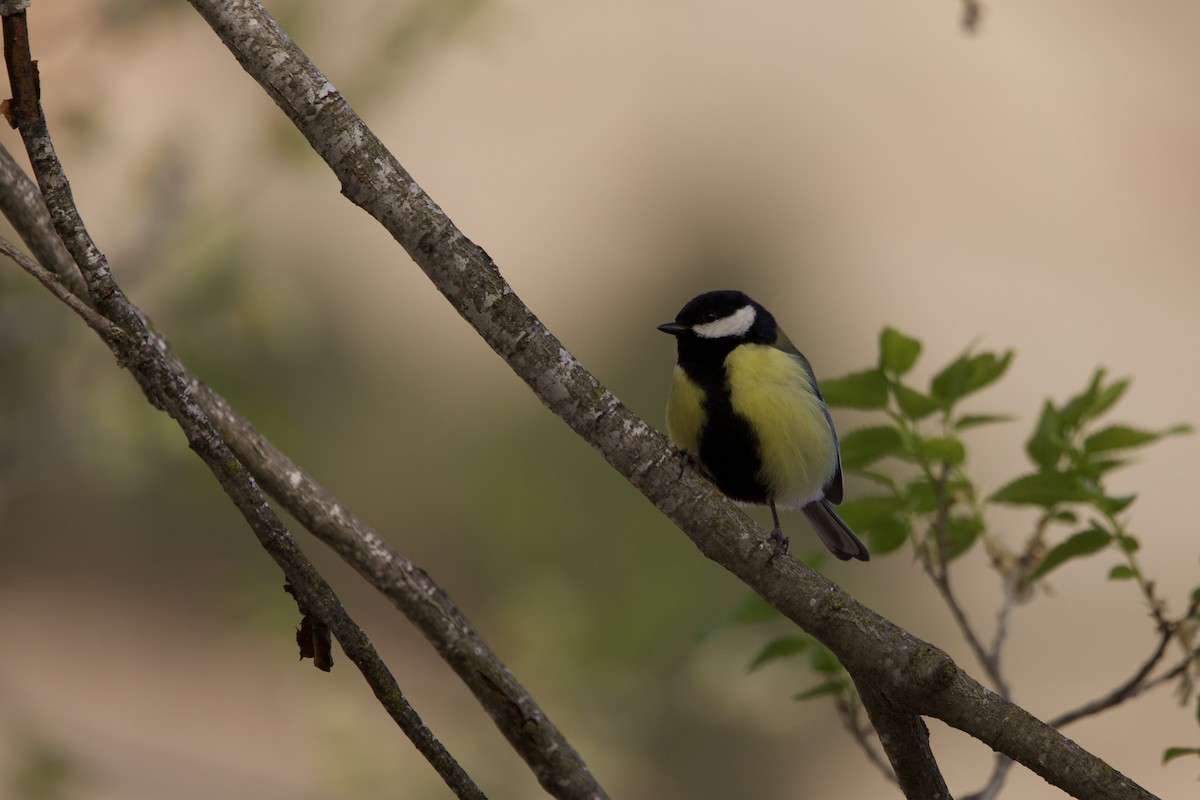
<point x="772" y="391"/>
<point x="685" y="412"/>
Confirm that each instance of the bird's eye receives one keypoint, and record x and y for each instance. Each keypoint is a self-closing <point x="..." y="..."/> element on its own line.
<point x="710" y="316"/>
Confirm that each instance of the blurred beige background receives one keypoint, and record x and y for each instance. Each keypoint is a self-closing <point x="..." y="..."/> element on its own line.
<point x="852" y="165"/>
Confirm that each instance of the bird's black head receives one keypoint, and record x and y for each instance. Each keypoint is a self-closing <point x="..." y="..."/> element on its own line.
<point x="724" y="319"/>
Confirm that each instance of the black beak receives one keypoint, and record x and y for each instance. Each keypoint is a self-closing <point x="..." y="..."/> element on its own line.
<point x="674" y="328"/>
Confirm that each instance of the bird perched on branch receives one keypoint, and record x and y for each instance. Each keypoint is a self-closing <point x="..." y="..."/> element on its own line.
<point x="745" y="405"/>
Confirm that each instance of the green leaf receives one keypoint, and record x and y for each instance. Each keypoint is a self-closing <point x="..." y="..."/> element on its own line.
<point x="1108" y="396"/>
<point x="1123" y="437"/>
<point x="886" y="481"/>
<point x="1121" y="572"/>
<point x="897" y="352"/>
<point x="867" y="389"/>
<point x="1172" y="753"/>
<point x="887" y="535"/>
<point x="913" y="404"/>
<point x="967" y="374"/>
<point x="1047" y="444"/>
<point x="822" y="660"/>
<point x="782" y="647"/>
<point x="1079" y="408"/>
<point x="921" y="495"/>
<point x="987" y="368"/>
<point x="975" y="420"/>
<point x="863" y="447"/>
<point x="752" y="609"/>
<point x="862" y="512"/>
<point x="942" y="450"/>
<point x="1083" y="543"/>
<point x="1128" y="543"/>
<point x="880" y="519"/>
<point x="1113" y="505"/>
<point x="820" y="690"/>
<point x="1099" y="466"/>
<point x="1118" y="437"/>
<point x="963" y="532"/>
<point x="1045" y="489"/>
<point x="951" y="383"/>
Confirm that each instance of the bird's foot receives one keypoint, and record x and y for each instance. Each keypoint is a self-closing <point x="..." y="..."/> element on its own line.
<point x="688" y="460"/>
<point x="781" y="544"/>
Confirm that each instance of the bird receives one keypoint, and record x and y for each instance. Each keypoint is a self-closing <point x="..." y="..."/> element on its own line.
<point x="745" y="406"/>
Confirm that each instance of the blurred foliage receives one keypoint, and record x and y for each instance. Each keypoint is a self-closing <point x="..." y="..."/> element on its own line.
<point x="931" y="503"/>
<point x="42" y="771"/>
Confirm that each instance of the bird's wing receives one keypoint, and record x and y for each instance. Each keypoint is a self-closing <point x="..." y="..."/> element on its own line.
<point x="833" y="489"/>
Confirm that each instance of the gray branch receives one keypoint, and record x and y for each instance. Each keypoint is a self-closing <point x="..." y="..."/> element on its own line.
<point x="913" y="675"/>
<point x="137" y="350"/>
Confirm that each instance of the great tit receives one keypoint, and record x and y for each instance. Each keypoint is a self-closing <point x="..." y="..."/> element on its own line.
<point x="745" y="404"/>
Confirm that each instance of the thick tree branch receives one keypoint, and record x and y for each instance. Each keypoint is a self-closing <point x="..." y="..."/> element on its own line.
<point x="912" y="674"/>
<point x="136" y="351"/>
<point x="905" y="739"/>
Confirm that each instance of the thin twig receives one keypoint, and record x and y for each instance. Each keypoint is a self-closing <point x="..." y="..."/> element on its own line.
<point x="939" y="572"/>
<point x="1140" y="681"/>
<point x="168" y="391"/>
<point x="1011" y="595"/>
<point x="995" y="780"/>
<point x="971" y="13"/>
<point x="864" y="736"/>
<point x="107" y="331"/>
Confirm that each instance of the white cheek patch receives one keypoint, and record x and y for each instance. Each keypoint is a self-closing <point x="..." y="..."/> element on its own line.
<point x="736" y="324"/>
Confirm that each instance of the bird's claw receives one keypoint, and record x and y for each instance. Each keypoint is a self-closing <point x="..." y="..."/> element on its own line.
<point x="781" y="544"/>
<point x="688" y="460"/>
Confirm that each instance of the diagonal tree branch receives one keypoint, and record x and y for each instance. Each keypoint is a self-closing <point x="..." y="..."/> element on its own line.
<point x="905" y="739"/>
<point x="911" y="673"/>
<point x="135" y="349"/>
<point x="557" y="765"/>
<point x="553" y="760"/>
<point x="547" y="752"/>
<point x="22" y="204"/>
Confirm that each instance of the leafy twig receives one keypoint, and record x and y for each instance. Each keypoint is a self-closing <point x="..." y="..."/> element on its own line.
<point x="939" y="572"/>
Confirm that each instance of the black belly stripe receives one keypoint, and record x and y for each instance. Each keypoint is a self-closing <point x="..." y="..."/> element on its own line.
<point x="728" y="447"/>
<point x="729" y="450"/>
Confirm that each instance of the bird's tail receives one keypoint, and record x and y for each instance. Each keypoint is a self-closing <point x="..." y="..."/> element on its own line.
<point x="835" y="533"/>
